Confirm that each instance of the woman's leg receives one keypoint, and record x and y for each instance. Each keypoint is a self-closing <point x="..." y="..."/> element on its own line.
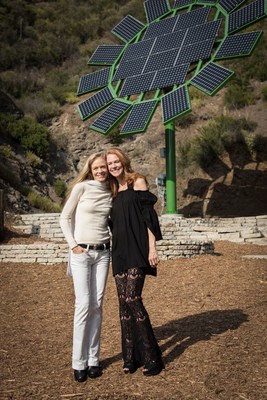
<point x="127" y="340"/>
<point x="81" y="280"/>
<point x="145" y="338"/>
<point x="138" y="338"/>
<point x="99" y="275"/>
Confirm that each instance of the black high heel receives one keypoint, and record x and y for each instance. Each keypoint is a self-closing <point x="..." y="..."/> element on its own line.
<point x="153" y="368"/>
<point x="130" y="367"/>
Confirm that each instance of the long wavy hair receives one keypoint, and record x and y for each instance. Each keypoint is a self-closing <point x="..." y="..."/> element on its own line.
<point x="128" y="173"/>
<point x="86" y="172"/>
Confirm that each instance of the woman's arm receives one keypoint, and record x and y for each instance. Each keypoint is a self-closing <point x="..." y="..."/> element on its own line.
<point x="67" y="214"/>
<point x="153" y="257"/>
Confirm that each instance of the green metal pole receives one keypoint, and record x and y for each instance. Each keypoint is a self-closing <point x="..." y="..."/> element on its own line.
<point x="171" y="207"/>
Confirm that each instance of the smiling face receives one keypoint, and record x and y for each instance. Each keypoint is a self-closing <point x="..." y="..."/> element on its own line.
<point x="99" y="169"/>
<point x="115" y="166"/>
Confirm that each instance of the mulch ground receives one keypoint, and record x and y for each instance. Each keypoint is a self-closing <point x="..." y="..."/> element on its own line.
<point x="209" y="316"/>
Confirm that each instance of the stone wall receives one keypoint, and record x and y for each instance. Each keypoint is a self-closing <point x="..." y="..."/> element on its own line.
<point x="182" y="237"/>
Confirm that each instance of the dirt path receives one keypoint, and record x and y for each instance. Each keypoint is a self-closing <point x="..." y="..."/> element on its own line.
<point x="209" y="315"/>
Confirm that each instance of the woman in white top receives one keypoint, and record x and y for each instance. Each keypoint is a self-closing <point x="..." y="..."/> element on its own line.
<point x="84" y="223"/>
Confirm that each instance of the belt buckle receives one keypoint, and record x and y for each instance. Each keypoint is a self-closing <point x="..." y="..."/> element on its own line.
<point x="105" y="246"/>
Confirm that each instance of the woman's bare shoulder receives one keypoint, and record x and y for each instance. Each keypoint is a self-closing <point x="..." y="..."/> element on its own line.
<point x="140" y="183"/>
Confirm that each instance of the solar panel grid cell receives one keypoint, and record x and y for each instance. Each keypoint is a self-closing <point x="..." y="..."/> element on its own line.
<point x="130" y="68"/>
<point x="110" y="116"/>
<point x="139" y="49"/>
<point x="238" y="45"/>
<point x="161" y="60"/>
<point x="139" y="117"/>
<point x="192" y="18"/>
<point x="169" y="77"/>
<point x="202" y="32"/>
<point x="182" y="3"/>
<point x="175" y="103"/>
<point x="95" y="103"/>
<point x="160" y="28"/>
<point x="230" y="5"/>
<point x="246" y="15"/>
<point x="137" y="84"/>
<point x="211" y="77"/>
<point x="128" y="28"/>
<point x="155" y="9"/>
<point x="93" y="81"/>
<point x="195" y="52"/>
<point x="169" y="41"/>
<point x="105" y="54"/>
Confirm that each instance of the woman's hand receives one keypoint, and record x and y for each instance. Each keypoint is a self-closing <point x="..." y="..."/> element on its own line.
<point x="153" y="257"/>
<point x="78" y="250"/>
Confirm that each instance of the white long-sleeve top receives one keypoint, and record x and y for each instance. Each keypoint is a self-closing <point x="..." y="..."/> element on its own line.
<point x="84" y="218"/>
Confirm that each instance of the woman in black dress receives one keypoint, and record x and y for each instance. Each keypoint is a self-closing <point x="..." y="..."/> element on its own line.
<point x="135" y="229"/>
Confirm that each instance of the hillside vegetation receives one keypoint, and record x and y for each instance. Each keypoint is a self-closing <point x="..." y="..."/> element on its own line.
<point x="221" y="144"/>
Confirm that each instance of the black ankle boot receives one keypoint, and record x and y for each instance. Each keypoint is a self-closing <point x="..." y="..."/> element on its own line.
<point x="94" y="372"/>
<point x="80" y="375"/>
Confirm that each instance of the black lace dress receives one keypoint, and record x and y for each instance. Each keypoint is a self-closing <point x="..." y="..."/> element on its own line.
<point x="132" y="213"/>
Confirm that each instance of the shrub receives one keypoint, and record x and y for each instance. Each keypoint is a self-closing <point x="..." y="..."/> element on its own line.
<point x="32" y="135"/>
<point x="115" y="137"/>
<point x="7" y="151"/>
<point x="60" y="188"/>
<point x="42" y="202"/>
<point x="215" y="138"/>
<point x="236" y="97"/>
<point x="32" y="159"/>
<point x="40" y="108"/>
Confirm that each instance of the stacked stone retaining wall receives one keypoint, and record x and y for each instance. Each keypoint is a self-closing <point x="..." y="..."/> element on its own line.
<point x="182" y="237"/>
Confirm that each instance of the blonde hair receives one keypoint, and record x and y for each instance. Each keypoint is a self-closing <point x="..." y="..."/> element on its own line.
<point x="128" y="173"/>
<point x="86" y="172"/>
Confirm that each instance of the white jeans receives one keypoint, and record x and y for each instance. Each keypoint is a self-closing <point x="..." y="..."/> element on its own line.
<point x="90" y="272"/>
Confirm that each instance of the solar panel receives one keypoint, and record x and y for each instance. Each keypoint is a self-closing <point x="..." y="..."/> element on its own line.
<point x="211" y="78"/>
<point x="161" y="60"/>
<point x="160" y="54"/>
<point x="175" y="103"/>
<point x="195" y="52"/>
<point x="137" y="50"/>
<point x="192" y="18"/>
<point x="160" y="28"/>
<point x="95" y="103"/>
<point x="105" y="55"/>
<point x="111" y="116"/>
<point x="238" y="45"/>
<point x="230" y="5"/>
<point x="200" y="33"/>
<point x="169" y="41"/>
<point x="139" y="117"/>
<point x="137" y="84"/>
<point x="155" y="9"/>
<point x="246" y="15"/>
<point x="127" y="28"/>
<point x="169" y="77"/>
<point x="93" y="81"/>
<point x="182" y="3"/>
<point x="129" y="68"/>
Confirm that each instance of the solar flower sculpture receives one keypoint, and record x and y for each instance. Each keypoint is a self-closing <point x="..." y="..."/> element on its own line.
<point x="179" y="46"/>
